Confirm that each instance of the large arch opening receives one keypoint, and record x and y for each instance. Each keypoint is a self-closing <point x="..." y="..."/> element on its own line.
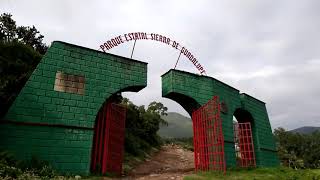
<point x="188" y="103"/>
<point x="243" y="138"/>
<point x="108" y="137"/>
<point x="104" y="136"/>
<point x="109" y="134"/>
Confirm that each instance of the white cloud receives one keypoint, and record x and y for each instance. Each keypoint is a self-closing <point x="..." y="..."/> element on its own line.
<point x="269" y="49"/>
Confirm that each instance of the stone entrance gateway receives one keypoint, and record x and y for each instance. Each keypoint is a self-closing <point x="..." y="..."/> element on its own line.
<point x="54" y="115"/>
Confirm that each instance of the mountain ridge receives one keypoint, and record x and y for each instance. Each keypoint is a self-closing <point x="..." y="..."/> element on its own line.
<point x="305" y="129"/>
<point x="179" y="126"/>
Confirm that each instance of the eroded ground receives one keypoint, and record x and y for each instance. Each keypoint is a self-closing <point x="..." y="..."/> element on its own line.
<point x="171" y="162"/>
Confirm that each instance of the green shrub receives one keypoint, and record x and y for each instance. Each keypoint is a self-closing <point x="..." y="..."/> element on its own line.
<point x="11" y="168"/>
<point x="9" y="171"/>
<point x="296" y="150"/>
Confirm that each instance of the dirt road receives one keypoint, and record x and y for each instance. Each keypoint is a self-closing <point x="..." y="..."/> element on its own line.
<point x="171" y="162"/>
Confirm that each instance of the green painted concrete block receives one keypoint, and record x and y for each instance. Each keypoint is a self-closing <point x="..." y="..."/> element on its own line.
<point x="38" y="102"/>
<point x="184" y="87"/>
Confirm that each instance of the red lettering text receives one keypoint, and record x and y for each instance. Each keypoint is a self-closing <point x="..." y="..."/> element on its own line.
<point x="102" y="47"/>
<point x="156" y="37"/>
<point x="114" y="42"/>
<point x="120" y="39"/>
<point x="174" y="44"/>
<point x="168" y="41"/>
<point x="107" y="46"/>
<point x="126" y="36"/>
<point x="110" y="44"/>
<point x="183" y="50"/>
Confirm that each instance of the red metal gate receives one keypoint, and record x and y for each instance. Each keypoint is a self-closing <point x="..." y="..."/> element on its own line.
<point x="208" y="137"/>
<point x="244" y="145"/>
<point x="108" y="146"/>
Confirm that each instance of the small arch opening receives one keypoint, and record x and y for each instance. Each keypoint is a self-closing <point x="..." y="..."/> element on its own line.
<point x="243" y="138"/>
<point x="104" y="140"/>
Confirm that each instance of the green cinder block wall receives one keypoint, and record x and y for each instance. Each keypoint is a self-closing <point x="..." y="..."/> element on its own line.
<point x="263" y="138"/>
<point x="58" y="126"/>
<point x="185" y="87"/>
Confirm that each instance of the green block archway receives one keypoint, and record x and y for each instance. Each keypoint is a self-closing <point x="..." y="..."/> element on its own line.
<point x="53" y="117"/>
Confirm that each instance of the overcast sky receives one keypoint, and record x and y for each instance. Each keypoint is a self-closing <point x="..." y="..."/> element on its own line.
<point x="269" y="49"/>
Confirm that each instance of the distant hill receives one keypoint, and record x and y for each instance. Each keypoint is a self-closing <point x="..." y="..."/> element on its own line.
<point x="179" y="126"/>
<point x="306" y="129"/>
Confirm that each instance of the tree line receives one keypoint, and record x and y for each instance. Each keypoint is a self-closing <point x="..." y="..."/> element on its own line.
<point x="21" y="49"/>
<point x="142" y="125"/>
<point x="298" y="150"/>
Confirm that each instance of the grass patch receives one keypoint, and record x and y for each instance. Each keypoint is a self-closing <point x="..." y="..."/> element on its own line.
<point x="260" y="173"/>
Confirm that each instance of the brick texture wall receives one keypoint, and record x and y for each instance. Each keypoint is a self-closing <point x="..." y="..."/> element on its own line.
<point x="266" y="148"/>
<point x="202" y="88"/>
<point x="54" y="114"/>
<point x="69" y="83"/>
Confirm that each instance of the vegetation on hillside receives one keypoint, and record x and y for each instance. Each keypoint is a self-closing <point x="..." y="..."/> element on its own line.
<point x="141" y="136"/>
<point x="179" y="126"/>
<point x="21" y="49"/>
<point x="298" y="150"/>
<point x="142" y="125"/>
<point x="10" y="168"/>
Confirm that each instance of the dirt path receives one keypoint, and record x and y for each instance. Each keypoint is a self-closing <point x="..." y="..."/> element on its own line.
<point x="171" y="162"/>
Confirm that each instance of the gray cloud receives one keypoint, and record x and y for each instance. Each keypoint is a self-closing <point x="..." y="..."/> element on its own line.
<point x="268" y="49"/>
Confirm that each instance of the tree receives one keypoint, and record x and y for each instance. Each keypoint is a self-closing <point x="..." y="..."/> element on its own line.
<point x="157" y="107"/>
<point x="7" y="28"/>
<point x="142" y="126"/>
<point x="17" y="62"/>
<point x="298" y="150"/>
<point x="20" y="52"/>
<point x="10" y="32"/>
